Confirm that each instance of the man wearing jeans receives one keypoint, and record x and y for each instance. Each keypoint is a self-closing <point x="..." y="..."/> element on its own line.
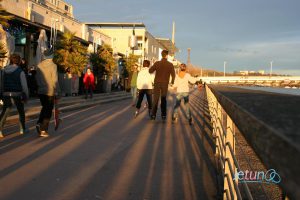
<point x="48" y="88"/>
<point x="163" y="70"/>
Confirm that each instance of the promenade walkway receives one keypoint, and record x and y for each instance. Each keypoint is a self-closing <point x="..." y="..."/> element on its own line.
<point x="102" y="152"/>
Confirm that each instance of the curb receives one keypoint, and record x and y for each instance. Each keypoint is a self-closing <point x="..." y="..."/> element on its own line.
<point x="69" y="107"/>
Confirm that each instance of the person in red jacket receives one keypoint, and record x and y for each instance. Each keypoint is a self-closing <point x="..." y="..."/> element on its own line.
<point x="89" y="83"/>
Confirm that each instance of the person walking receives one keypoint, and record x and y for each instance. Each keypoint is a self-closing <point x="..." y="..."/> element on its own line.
<point x="15" y="91"/>
<point x="48" y="89"/>
<point x="89" y="83"/>
<point x="145" y="82"/>
<point x="163" y="70"/>
<point x="133" y="84"/>
<point x="182" y="81"/>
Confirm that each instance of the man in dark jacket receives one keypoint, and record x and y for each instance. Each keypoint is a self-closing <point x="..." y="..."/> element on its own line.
<point x="163" y="70"/>
<point x="15" y="91"/>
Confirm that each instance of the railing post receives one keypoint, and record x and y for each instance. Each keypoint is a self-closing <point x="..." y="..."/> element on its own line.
<point x="230" y="133"/>
<point x="224" y="134"/>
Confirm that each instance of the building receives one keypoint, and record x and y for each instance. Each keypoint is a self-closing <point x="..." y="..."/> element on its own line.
<point x="147" y="46"/>
<point x="244" y="73"/>
<point x="170" y="46"/>
<point x="31" y="16"/>
<point x="261" y="72"/>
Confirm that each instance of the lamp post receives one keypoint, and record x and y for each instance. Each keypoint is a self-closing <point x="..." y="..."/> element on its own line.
<point x="271" y="71"/>
<point x="224" y="68"/>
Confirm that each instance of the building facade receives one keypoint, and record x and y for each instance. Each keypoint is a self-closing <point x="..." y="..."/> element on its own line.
<point x="30" y="16"/>
<point x="147" y="46"/>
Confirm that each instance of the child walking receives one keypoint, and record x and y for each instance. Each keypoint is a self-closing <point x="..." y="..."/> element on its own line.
<point x="145" y="82"/>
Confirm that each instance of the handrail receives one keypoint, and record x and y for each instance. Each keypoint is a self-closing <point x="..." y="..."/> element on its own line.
<point x="225" y="139"/>
<point x="247" y="190"/>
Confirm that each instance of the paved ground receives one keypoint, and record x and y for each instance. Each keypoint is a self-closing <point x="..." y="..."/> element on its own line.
<point x="101" y="152"/>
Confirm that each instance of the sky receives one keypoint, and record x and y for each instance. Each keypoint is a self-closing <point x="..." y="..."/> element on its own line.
<point x="247" y="34"/>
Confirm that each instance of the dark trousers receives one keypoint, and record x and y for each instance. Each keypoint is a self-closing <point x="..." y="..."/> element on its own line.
<point x="7" y="104"/>
<point x="142" y="93"/>
<point x="89" y="89"/>
<point x="46" y="112"/>
<point x="160" y="90"/>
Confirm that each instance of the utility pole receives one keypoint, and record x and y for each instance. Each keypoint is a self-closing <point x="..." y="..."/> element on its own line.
<point x="189" y="56"/>
<point x="224" y="68"/>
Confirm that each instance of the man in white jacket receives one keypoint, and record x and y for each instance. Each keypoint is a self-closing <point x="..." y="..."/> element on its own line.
<point x="181" y="84"/>
<point x="145" y="82"/>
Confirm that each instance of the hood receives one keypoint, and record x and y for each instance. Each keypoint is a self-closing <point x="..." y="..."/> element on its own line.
<point x="10" y="68"/>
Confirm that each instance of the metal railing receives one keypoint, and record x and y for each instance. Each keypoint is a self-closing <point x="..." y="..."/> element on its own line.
<point x="224" y="134"/>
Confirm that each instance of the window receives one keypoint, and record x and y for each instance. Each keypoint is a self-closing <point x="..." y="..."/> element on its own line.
<point x="140" y="45"/>
<point x="66" y="8"/>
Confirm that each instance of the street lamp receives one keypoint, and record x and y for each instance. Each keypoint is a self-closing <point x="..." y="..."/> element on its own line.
<point x="224" y="67"/>
<point x="271" y="71"/>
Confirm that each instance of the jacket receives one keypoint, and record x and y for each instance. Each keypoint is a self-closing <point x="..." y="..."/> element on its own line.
<point x="182" y="84"/>
<point x="164" y="69"/>
<point x="89" y="80"/>
<point x="145" y="80"/>
<point x="20" y="82"/>
<point x="46" y="78"/>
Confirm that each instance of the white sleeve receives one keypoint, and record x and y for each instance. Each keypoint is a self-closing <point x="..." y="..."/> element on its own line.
<point x="191" y="79"/>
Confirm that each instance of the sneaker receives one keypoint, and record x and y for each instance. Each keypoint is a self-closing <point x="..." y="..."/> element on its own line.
<point x="38" y="128"/>
<point x="24" y="131"/>
<point x="174" y="119"/>
<point x="1" y="135"/>
<point x="152" y="117"/>
<point x="136" y="114"/>
<point x="145" y="105"/>
<point x="44" y="134"/>
<point x="190" y="121"/>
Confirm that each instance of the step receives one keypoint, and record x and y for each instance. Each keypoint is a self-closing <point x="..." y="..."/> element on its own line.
<point x="34" y="111"/>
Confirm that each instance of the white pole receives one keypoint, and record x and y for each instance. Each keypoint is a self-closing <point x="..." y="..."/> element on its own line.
<point x="271" y="71"/>
<point x="224" y="67"/>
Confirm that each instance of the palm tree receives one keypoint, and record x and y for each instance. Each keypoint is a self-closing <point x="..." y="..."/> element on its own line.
<point x="4" y="16"/>
<point x="70" y="54"/>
